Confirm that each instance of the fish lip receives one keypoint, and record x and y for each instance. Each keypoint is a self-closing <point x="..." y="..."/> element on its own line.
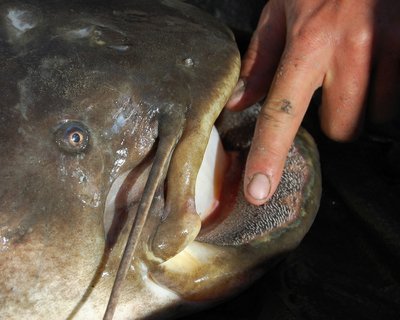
<point x="126" y="189"/>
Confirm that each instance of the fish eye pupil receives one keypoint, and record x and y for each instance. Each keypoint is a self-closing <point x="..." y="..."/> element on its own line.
<point x="75" y="137"/>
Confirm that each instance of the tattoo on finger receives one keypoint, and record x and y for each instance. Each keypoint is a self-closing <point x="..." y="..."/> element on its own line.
<point x="286" y="106"/>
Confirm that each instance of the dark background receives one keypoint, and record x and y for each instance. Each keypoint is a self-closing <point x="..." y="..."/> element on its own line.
<point x="348" y="265"/>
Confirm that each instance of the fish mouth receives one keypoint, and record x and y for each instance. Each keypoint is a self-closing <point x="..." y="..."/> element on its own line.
<point x="234" y="236"/>
<point x="123" y="209"/>
<point x="216" y="185"/>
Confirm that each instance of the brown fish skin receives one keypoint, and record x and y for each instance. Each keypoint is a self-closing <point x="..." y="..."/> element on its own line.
<point x="89" y="93"/>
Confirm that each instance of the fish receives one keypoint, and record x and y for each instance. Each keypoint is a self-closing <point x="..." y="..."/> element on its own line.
<point x="117" y="198"/>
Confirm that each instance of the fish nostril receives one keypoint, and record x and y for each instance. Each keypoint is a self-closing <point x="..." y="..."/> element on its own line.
<point x="188" y="62"/>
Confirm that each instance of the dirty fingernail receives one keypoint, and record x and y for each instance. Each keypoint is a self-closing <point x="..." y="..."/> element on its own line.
<point x="259" y="186"/>
<point x="238" y="91"/>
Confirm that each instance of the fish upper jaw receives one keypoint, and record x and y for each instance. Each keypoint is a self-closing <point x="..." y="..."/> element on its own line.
<point x="126" y="190"/>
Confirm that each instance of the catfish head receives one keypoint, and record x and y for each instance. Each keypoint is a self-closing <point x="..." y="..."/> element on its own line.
<point x="106" y="113"/>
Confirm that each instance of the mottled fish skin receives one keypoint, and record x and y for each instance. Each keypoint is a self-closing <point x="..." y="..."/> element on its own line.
<point x="97" y="96"/>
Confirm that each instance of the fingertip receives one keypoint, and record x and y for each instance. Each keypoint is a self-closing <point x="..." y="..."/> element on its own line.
<point x="262" y="176"/>
<point x="237" y="95"/>
<point x="258" y="188"/>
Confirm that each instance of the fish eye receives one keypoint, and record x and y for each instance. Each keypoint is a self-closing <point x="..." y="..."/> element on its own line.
<point x="75" y="138"/>
<point x="72" y="136"/>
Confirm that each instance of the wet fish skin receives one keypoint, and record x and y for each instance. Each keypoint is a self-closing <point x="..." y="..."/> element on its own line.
<point x="112" y="75"/>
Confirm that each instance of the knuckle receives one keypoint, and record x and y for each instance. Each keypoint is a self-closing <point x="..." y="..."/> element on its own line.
<point x="269" y="117"/>
<point x="266" y="154"/>
<point x="313" y="32"/>
<point x="308" y="37"/>
<point x="276" y="154"/>
<point x="360" y="40"/>
<point x="277" y="112"/>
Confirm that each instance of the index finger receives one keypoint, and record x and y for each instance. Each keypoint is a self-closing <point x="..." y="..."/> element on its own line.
<point x="295" y="81"/>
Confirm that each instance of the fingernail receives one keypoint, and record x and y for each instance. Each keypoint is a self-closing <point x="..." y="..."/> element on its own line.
<point x="238" y="91"/>
<point x="259" y="186"/>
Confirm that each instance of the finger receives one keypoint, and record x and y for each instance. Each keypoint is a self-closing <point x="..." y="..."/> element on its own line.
<point x="261" y="59"/>
<point x="296" y="80"/>
<point x="345" y="89"/>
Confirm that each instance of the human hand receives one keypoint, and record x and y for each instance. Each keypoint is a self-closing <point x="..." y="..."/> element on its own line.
<point x="301" y="45"/>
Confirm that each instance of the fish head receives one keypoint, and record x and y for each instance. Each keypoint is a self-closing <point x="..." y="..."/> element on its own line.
<point x="92" y="97"/>
<point x="105" y="116"/>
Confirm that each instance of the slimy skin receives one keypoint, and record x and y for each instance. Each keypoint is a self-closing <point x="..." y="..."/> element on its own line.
<point x="107" y="109"/>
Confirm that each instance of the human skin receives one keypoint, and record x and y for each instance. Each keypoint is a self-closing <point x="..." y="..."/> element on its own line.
<point x="300" y="46"/>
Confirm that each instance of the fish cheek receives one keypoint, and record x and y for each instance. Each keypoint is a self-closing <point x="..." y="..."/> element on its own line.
<point x="79" y="163"/>
<point x="49" y="213"/>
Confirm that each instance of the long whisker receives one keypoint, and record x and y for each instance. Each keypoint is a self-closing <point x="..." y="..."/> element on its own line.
<point x="157" y="175"/>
